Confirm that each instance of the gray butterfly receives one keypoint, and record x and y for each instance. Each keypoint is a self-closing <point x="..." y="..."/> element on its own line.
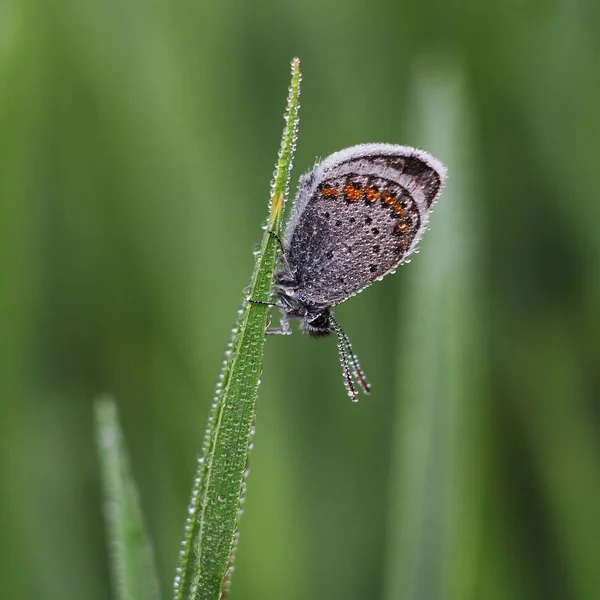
<point x="356" y="216"/>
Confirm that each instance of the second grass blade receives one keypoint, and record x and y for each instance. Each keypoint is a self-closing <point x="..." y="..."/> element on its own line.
<point x="131" y="553"/>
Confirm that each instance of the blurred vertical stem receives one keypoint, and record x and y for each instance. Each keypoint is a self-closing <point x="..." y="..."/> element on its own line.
<point x="206" y="554"/>
<point x="131" y="554"/>
<point x="435" y="502"/>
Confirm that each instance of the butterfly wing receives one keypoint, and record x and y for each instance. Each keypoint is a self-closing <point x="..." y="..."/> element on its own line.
<point x="356" y="217"/>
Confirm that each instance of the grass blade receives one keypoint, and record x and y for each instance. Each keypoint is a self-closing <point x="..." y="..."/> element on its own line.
<point x="435" y="510"/>
<point x="206" y="554"/>
<point x="132" y="557"/>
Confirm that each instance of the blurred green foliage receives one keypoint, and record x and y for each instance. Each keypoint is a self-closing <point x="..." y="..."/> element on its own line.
<point x="137" y="143"/>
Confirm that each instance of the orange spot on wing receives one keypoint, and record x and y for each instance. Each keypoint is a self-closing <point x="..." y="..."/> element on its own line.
<point x="372" y="194"/>
<point x="352" y="192"/>
<point x="402" y="228"/>
<point x="329" y="192"/>
<point x="388" y="198"/>
<point x="398" y="209"/>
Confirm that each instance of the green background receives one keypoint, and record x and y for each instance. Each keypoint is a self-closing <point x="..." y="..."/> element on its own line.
<point x="137" y="144"/>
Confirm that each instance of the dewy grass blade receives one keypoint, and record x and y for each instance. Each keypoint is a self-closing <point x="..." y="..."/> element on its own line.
<point x="131" y="554"/>
<point x="206" y="555"/>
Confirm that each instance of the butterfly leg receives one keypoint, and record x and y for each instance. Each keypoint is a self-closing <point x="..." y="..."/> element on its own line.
<point x="282" y="255"/>
<point x="273" y="234"/>
<point x="284" y="329"/>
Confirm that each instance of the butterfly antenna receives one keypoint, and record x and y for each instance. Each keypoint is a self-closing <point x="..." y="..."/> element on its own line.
<point x="347" y="357"/>
<point x="359" y="374"/>
<point x="346" y="371"/>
